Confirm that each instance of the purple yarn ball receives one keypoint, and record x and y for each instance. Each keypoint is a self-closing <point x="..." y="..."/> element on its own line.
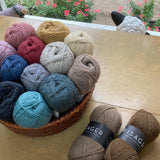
<point x="33" y="75"/>
<point x="6" y="50"/>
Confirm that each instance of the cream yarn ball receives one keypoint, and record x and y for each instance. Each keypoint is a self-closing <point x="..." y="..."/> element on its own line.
<point x="57" y="57"/>
<point x="80" y="42"/>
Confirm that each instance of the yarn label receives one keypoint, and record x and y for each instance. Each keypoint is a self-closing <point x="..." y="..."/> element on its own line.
<point x="134" y="137"/>
<point x="99" y="133"/>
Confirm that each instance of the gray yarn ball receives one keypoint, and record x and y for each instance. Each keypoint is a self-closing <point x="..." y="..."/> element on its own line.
<point x="33" y="75"/>
<point x="57" y="57"/>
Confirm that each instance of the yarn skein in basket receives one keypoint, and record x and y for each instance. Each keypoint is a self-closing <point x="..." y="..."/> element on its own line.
<point x="52" y="31"/>
<point x="55" y="125"/>
<point x="57" y="57"/>
<point x="31" y="110"/>
<point x="80" y="42"/>
<point x="12" y="67"/>
<point x="31" y="49"/>
<point x="87" y="148"/>
<point x="145" y="122"/>
<point x="9" y="93"/>
<point x="6" y="50"/>
<point x="59" y="92"/>
<point x="33" y="75"/>
<point x="19" y="32"/>
<point x="84" y="72"/>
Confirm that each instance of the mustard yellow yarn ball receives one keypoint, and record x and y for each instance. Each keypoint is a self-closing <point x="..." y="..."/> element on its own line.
<point x="52" y="31"/>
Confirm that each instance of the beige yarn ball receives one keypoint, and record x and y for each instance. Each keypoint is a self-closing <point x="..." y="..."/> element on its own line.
<point x="80" y="42"/>
<point x="84" y="72"/>
<point x="57" y="57"/>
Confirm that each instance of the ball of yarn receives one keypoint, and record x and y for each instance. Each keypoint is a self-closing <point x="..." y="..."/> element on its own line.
<point x="33" y="75"/>
<point x="86" y="148"/>
<point x="18" y="33"/>
<point x="57" y="57"/>
<point x="84" y="72"/>
<point x="143" y="121"/>
<point x="80" y="42"/>
<point x="31" y="111"/>
<point x="12" y="67"/>
<point x="52" y="31"/>
<point x="6" y="50"/>
<point x="31" y="49"/>
<point x="9" y="93"/>
<point x="59" y="92"/>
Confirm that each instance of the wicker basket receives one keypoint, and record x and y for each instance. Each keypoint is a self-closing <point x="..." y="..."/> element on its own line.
<point x="56" y="125"/>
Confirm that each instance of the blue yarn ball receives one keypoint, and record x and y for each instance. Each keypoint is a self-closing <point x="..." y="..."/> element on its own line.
<point x="31" y="111"/>
<point x="12" y="67"/>
<point x="9" y="93"/>
<point x="59" y="92"/>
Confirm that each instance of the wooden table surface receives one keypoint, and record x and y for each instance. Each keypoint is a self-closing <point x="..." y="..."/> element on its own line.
<point x="130" y="80"/>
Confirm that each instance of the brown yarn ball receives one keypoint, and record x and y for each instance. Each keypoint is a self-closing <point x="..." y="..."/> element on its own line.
<point x="84" y="72"/>
<point x="52" y="31"/>
<point x="147" y="124"/>
<point x="85" y="148"/>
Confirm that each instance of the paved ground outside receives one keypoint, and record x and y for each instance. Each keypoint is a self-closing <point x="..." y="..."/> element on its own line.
<point x="107" y="6"/>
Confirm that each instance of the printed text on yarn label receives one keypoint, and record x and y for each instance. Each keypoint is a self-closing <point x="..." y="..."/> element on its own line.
<point x="134" y="137"/>
<point x="99" y="133"/>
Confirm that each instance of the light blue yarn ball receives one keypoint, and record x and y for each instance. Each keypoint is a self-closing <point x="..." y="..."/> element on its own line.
<point x="59" y="92"/>
<point x="31" y="111"/>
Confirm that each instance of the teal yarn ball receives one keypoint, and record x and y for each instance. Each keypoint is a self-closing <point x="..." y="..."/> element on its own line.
<point x="59" y="92"/>
<point x="12" y="67"/>
<point x="31" y="111"/>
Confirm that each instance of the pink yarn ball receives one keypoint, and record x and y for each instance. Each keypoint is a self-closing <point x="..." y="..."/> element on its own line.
<point x="18" y="33"/>
<point x="6" y="50"/>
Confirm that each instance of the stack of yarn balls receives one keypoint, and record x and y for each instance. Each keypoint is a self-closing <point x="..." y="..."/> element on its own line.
<point x="44" y="71"/>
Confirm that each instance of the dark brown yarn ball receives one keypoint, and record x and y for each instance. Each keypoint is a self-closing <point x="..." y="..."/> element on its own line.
<point x="120" y="150"/>
<point x="85" y="148"/>
<point x="147" y="124"/>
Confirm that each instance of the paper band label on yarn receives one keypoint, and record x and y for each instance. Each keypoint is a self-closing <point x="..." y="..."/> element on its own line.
<point x="134" y="137"/>
<point x="99" y="133"/>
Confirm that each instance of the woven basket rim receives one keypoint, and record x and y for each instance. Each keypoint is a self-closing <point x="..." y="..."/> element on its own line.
<point x="74" y="114"/>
